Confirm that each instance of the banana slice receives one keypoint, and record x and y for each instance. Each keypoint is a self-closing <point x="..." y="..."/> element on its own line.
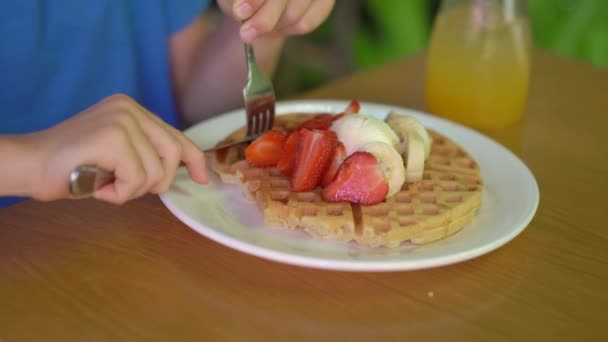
<point x="402" y="125"/>
<point x="354" y="130"/>
<point x="390" y="162"/>
<point x="415" y="158"/>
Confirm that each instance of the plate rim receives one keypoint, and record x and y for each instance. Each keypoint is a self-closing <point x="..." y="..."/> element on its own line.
<point x="362" y="265"/>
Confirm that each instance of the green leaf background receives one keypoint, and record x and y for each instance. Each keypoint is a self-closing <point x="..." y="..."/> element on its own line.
<point x="365" y="33"/>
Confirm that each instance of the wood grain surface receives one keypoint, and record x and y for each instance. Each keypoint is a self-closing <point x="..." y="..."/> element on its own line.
<point x="89" y="271"/>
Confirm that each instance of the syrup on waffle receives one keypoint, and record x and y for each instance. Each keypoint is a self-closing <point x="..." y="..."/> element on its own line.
<point x="442" y="203"/>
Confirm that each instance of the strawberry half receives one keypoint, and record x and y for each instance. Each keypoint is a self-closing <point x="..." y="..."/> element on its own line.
<point x="287" y="162"/>
<point x="266" y="150"/>
<point x="313" y="155"/>
<point x="359" y="180"/>
<point x="337" y="159"/>
<point x="315" y="123"/>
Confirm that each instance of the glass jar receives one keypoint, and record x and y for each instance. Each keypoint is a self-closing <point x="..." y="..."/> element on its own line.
<point x="478" y="63"/>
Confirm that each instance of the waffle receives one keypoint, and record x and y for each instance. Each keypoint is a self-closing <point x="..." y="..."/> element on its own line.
<point x="439" y="205"/>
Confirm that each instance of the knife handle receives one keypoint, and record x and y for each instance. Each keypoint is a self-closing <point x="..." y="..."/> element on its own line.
<point x="86" y="179"/>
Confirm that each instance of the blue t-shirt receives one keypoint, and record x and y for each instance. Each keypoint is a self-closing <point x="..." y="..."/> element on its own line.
<point x="58" y="57"/>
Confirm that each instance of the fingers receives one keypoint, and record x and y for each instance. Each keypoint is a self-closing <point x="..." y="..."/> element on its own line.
<point x="264" y="20"/>
<point x="194" y="159"/>
<point x="119" y="136"/>
<point x="283" y="17"/>
<point x="243" y="9"/>
<point x="128" y="169"/>
<point x="173" y="146"/>
<point x="167" y="150"/>
<point x="153" y="147"/>
<point x="147" y="144"/>
<point x="316" y="14"/>
<point x="293" y="13"/>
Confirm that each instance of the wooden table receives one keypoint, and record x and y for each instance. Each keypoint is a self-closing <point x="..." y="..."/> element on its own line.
<point x="82" y="270"/>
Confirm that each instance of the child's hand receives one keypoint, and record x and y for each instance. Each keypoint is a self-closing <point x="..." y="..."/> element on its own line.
<point x="117" y="135"/>
<point x="276" y="17"/>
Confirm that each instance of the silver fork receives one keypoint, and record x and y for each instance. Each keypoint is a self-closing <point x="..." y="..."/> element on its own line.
<point x="259" y="97"/>
<point x="259" y="102"/>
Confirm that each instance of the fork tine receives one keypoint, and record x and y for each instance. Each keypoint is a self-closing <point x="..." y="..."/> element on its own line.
<point x="249" y="122"/>
<point x="259" y="127"/>
<point x="271" y="121"/>
<point x="262" y="127"/>
<point x="267" y="125"/>
<point x="262" y="122"/>
<point x="259" y="97"/>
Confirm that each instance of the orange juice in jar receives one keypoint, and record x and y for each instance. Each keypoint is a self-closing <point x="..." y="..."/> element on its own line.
<point x="479" y="62"/>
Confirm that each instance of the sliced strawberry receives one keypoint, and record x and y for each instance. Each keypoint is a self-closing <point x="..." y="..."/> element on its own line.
<point x="313" y="155"/>
<point x="315" y="123"/>
<point x="337" y="159"/>
<point x="359" y="180"/>
<point x="324" y="116"/>
<point x="287" y="162"/>
<point x="338" y="116"/>
<point x="353" y="107"/>
<point x="266" y="150"/>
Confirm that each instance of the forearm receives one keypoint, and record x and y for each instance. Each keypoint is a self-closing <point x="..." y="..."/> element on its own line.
<point x="17" y="168"/>
<point x="218" y="77"/>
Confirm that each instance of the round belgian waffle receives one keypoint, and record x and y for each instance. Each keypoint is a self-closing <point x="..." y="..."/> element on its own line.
<point x="440" y="204"/>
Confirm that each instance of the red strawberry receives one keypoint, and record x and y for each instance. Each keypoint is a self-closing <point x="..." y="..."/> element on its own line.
<point x="313" y="155"/>
<point x="339" y="116"/>
<point x="337" y="159"/>
<point x="287" y="161"/>
<point x="315" y="123"/>
<point x="265" y="150"/>
<point x="353" y="107"/>
<point x="324" y="116"/>
<point x="359" y="180"/>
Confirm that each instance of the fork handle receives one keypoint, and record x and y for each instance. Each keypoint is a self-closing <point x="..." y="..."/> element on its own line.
<point x="249" y="54"/>
<point x="252" y="68"/>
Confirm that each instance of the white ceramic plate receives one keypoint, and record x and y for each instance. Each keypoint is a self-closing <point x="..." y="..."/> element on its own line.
<point x="222" y="213"/>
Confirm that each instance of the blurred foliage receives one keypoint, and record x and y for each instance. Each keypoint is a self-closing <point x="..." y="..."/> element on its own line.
<point x="365" y="33"/>
<point x="575" y="28"/>
<point x="390" y="29"/>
